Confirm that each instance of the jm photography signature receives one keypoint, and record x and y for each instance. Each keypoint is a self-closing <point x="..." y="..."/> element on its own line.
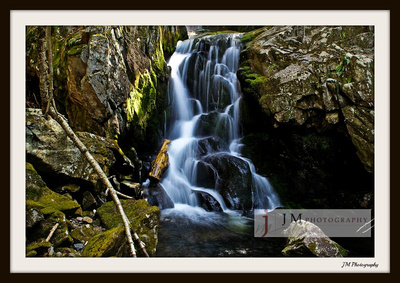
<point x="359" y="264"/>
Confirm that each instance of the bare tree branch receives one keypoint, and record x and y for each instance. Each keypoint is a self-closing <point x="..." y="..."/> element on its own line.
<point x="51" y="232"/>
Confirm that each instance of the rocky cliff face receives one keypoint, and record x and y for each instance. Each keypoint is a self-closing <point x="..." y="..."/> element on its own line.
<point x="314" y="87"/>
<point x="110" y="81"/>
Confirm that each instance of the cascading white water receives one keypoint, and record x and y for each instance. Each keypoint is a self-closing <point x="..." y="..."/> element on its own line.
<point x="213" y="99"/>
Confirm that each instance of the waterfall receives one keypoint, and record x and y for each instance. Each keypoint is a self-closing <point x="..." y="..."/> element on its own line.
<point x="204" y="122"/>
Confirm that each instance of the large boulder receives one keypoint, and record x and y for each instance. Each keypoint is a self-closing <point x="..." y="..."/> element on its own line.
<point x="234" y="180"/>
<point x="54" y="154"/>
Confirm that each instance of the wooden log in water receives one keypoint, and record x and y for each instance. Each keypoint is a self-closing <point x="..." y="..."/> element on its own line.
<point x="160" y="164"/>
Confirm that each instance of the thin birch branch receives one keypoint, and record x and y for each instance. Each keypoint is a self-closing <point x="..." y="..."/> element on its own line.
<point x="51" y="232"/>
<point x="99" y="171"/>
<point x="141" y="244"/>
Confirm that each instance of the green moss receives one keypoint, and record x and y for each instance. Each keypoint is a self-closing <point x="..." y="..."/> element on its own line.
<point x="37" y="248"/>
<point x="316" y="142"/>
<point x="40" y="196"/>
<point x="75" y="50"/>
<point x="248" y="37"/>
<point x="106" y="244"/>
<point x="158" y="57"/>
<point x="142" y="99"/>
<point x="255" y="80"/>
<point x="136" y="211"/>
<point x="169" y="39"/>
<point x="83" y="233"/>
<point x="252" y="82"/>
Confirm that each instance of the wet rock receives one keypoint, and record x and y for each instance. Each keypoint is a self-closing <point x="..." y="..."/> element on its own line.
<point x="211" y="144"/>
<point x="360" y="125"/>
<point x="68" y="188"/>
<point x="156" y="195"/>
<point x="307" y="239"/>
<point x="206" y="175"/>
<point x="60" y="237"/>
<point x="218" y="125"/>
<point x="234" y="180"/>
<point x="131" y="189"/>
<point x="66" y="252"/>
<point x="206" y="124"/>
<point x="79" y="246"/>
<point x="208" y="202"/>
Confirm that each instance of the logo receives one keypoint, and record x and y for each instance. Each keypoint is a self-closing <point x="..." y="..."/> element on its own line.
<point x="333" y="223"/>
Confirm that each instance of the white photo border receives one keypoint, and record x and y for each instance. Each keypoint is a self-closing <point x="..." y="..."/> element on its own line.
<point x="19" y="19"/>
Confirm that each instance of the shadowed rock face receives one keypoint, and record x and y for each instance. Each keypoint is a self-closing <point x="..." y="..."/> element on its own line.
<point x="316" y="77"/>
<point x="308" y="111"/>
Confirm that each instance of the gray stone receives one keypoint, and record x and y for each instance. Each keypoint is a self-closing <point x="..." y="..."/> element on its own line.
<point x="305" y="238"/>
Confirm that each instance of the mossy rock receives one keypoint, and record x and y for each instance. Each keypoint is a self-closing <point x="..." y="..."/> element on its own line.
<point x="40" y="196"/>
<point x="84" y="233"/>
<point x="108" y="244"/>
<point x="37" y="248"/>
<point x="143" y="218"/>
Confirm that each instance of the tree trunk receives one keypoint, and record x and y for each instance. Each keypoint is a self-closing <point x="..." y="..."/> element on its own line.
<point x="50" y="73"/>
<point x="43" y="68"/>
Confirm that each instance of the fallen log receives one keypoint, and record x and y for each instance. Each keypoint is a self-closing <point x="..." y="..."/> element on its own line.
<point x="160" y="164"/>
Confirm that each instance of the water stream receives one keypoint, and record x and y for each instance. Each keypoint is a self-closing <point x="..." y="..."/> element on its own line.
<point x="213" y="188"/>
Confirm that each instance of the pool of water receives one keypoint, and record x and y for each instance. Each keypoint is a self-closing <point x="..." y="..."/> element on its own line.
<point x="193" y="232"/>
